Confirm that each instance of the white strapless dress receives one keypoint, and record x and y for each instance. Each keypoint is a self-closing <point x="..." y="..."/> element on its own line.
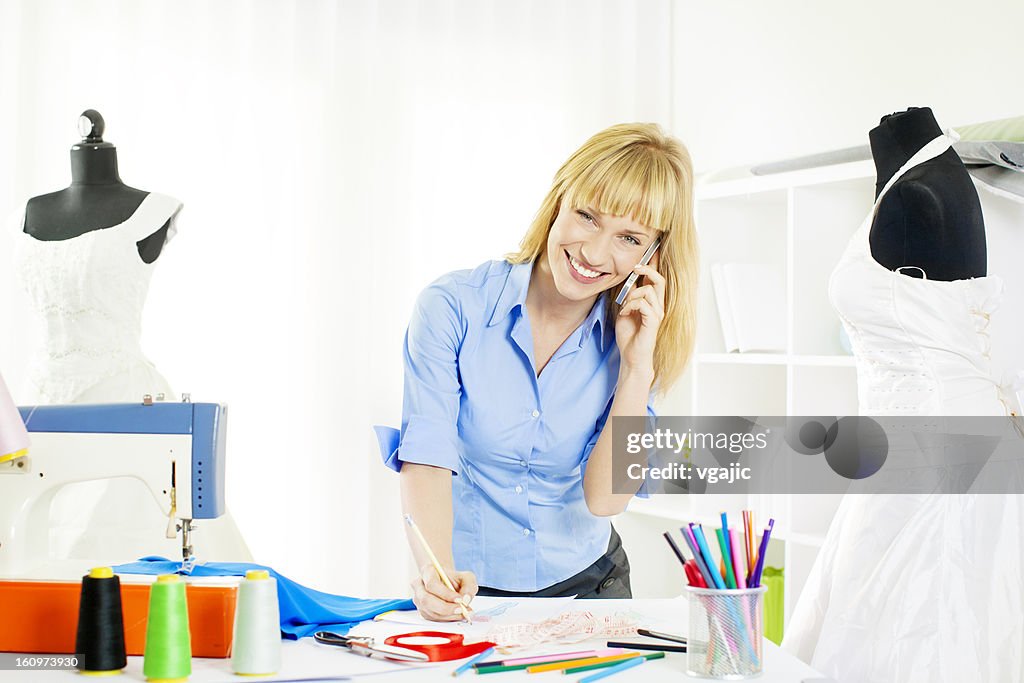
<point x="916" y="587"/>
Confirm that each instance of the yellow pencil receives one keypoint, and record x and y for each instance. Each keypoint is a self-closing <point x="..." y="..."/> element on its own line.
<point x="751" y="544"/>
<point x="437" y="565"/>
<point x="556" y="666"/>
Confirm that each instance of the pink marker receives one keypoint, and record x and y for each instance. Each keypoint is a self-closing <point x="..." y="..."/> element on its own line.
<point x="737" y="558"/>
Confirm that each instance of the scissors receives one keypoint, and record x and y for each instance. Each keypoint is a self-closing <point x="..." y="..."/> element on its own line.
<point x="368" y="647"/>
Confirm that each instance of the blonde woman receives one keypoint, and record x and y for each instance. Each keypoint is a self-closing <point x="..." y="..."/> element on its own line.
<point x="514" y="369"/>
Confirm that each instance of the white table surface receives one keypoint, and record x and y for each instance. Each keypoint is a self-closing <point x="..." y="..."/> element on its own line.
<point x="306" y="658"/>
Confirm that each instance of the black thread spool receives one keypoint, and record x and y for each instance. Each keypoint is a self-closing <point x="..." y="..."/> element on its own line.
<point x="100" y="640"/>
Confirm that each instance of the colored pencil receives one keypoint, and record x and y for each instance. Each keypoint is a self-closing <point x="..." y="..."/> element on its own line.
<point x="746" y="542"/>
<point x="557" y="657"/>
<point x="437" y="566"/>
<point x="701" y="567"/>
<point x="728" y="545"/>
<point x="611" y="671"/>
<point x="751" y="546"/>
<point x="737" y="558"/>
<point x="760" y="554"/>
<point x="702" y="543"/>
<point x="661" y="636"/>
<point x="469" y="665"/>
<point x="675" y="548"/>
<point x="590" y="667"/>
<point x="723" y="547"/>
<point x="656" y="647"/>
<point x="502" y="668"/>
<point x="558" y="666"/>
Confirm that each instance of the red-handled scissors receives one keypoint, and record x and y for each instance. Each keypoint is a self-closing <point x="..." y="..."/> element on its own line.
<point x="368" y="647"/>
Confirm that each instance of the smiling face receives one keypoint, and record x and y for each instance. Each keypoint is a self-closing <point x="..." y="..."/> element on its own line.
<point x="589" y="252"/>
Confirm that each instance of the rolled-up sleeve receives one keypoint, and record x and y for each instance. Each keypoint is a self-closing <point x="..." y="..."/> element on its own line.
<point x="432" y="390"/>
<point x="642" y="492"/>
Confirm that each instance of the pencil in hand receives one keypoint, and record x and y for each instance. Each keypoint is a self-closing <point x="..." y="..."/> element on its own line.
<point x="437" y="566"/>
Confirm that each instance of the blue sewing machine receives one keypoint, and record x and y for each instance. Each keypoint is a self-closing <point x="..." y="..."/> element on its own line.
<point x="176" y="449"/>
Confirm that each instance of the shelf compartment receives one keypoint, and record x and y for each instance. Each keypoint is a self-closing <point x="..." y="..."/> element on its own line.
<point x="741" y="390"/>
<point x="747" y="229"/>
<point x="823" y="390"/>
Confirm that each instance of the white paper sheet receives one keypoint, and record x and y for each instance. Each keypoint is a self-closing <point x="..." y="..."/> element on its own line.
<point x="491" y="611"/>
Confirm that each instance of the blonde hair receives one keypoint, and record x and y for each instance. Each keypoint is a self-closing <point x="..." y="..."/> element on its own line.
<point x="636" y="170"/>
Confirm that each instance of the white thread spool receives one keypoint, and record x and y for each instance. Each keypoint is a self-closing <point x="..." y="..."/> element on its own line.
<point x="256" y="648"/>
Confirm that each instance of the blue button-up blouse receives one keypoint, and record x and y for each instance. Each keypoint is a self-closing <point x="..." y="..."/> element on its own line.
<point x="517" y="443"/>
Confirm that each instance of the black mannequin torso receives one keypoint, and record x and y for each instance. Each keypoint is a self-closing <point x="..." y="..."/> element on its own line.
<point x="95" y="200"/>
<point x="931" y="218"/>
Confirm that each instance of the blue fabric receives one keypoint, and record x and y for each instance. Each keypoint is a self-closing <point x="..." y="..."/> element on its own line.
<point x="303" y="610"/>
<point x="518" y="443"/>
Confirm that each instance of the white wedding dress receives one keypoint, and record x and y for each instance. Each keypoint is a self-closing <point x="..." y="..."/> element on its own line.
<point x="916" y="587"/>
<point x="88" y="295"/>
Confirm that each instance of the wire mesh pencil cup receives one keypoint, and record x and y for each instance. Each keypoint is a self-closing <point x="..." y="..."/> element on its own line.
<point x="726" y="633"/>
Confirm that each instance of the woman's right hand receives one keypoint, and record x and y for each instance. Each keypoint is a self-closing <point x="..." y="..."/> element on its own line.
<point x="435" y="601"/>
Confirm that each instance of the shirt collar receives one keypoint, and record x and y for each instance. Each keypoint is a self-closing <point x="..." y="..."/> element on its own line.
<point x="513" y="295"/>
<point x="595" y="319"/>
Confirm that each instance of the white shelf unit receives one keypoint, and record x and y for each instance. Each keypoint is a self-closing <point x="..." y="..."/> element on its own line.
<point x="798" y="222"/>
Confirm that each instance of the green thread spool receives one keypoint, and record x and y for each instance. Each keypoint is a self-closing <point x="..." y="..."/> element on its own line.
<point x="168" y="655"/>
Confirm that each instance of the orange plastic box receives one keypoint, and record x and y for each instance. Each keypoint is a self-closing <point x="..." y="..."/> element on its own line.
<point x="42" y="616"/>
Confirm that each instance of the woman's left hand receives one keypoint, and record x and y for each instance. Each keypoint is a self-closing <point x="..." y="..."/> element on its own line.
<point x="636" y="329"/>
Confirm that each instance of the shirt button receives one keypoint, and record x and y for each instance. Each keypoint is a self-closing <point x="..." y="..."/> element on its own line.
<point x="535" y="414"/>
<point x="519" y="489"/>
<point x="526" y="532"/>
<point x="523" y="463"/>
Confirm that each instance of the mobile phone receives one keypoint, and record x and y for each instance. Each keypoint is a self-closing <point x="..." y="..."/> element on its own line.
<point x="631" y="280"/>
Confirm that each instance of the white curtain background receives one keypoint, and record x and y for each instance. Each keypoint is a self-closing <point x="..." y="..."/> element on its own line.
<point x="333" y="159"/>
